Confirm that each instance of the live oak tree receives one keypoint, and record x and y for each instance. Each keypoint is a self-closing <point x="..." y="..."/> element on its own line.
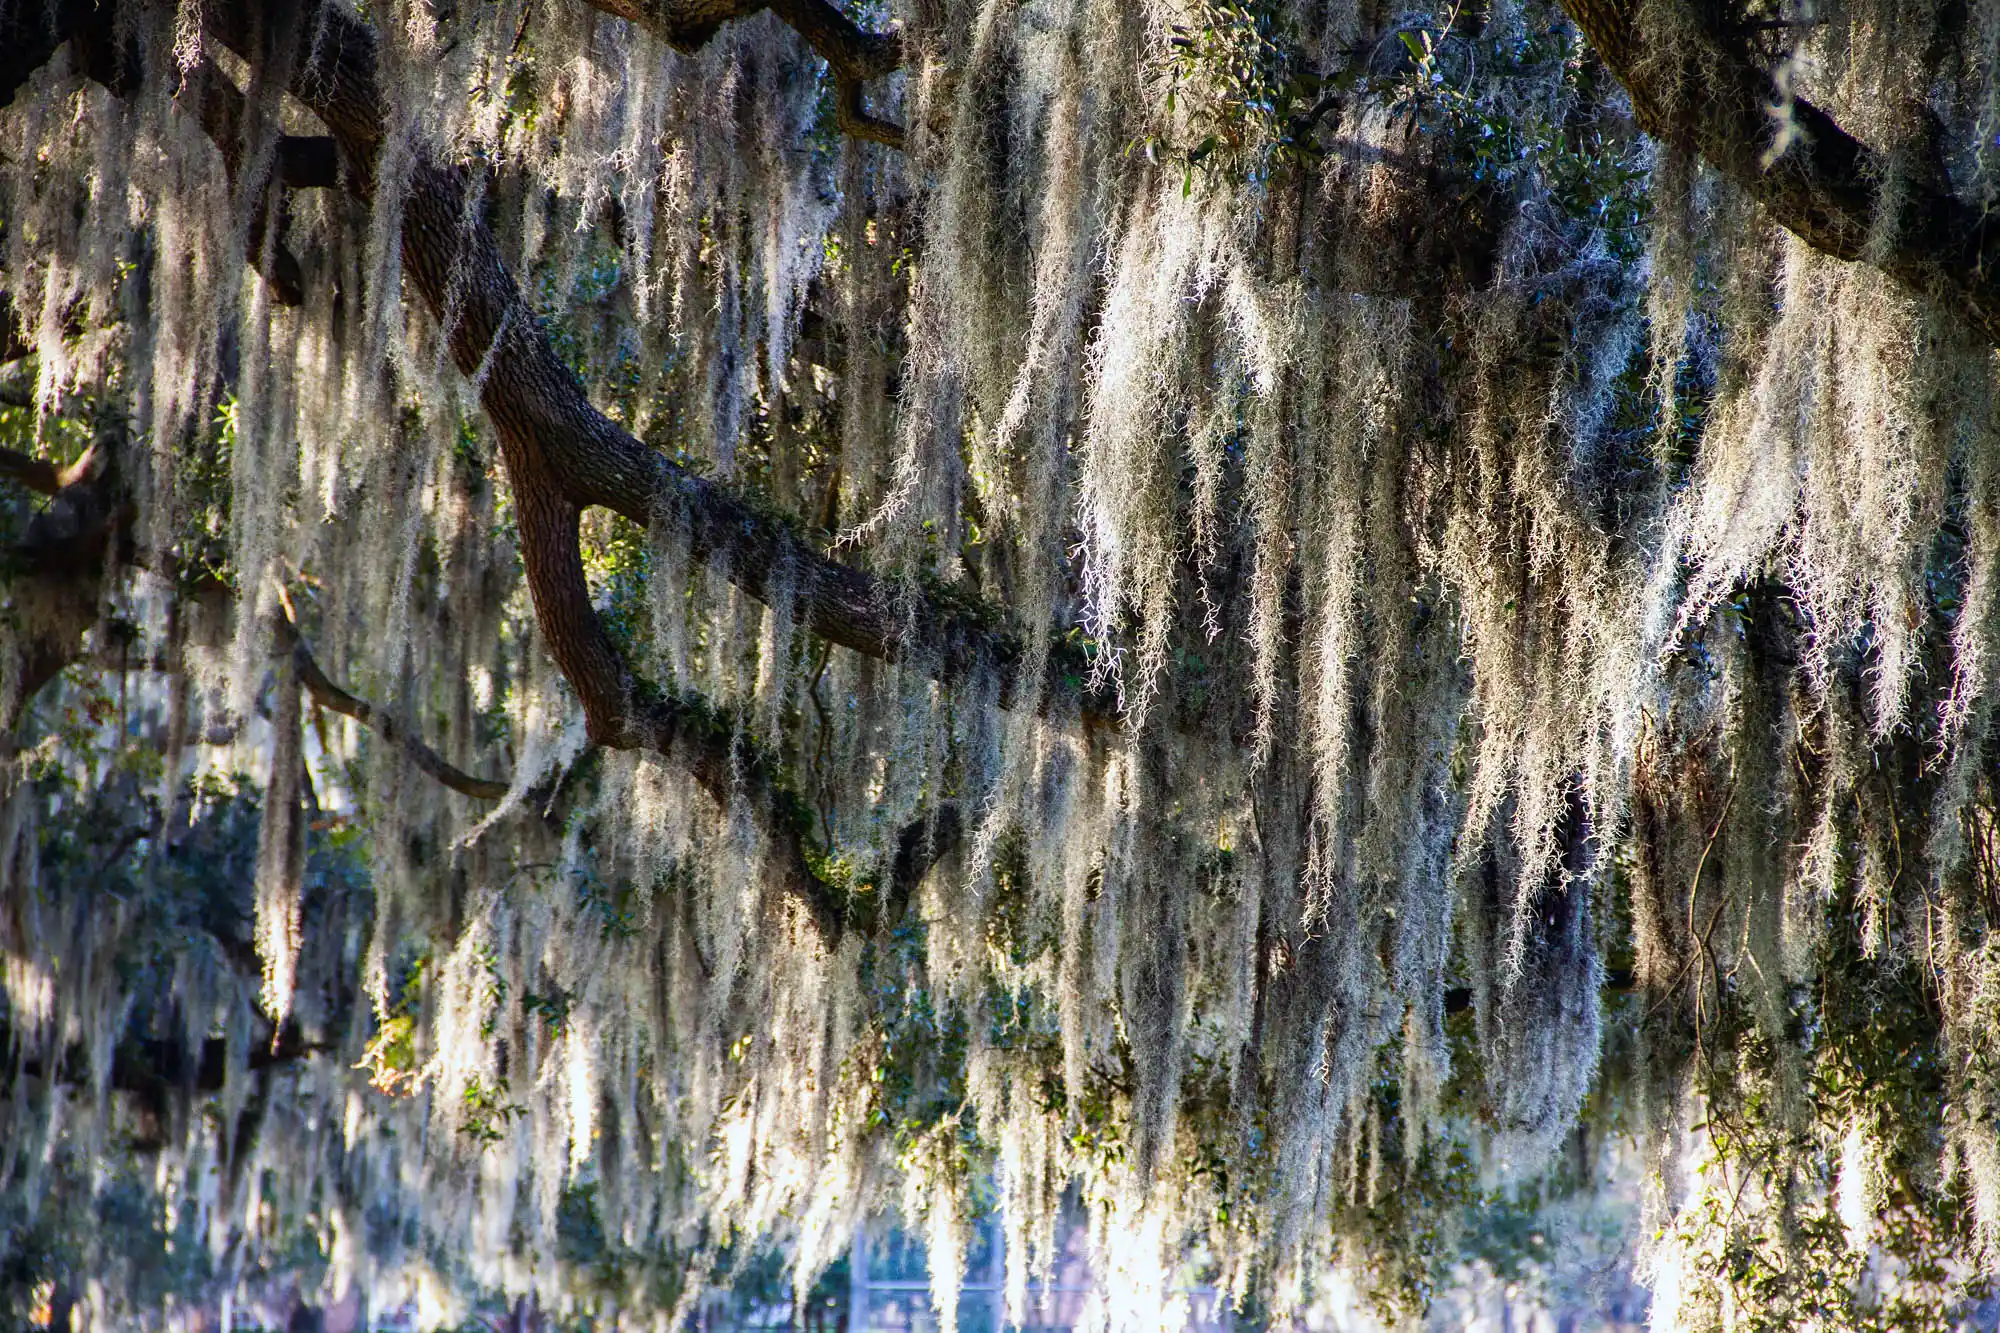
<point x="640" y="630"/>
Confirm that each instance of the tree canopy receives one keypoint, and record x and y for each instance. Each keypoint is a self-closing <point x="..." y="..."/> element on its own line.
<point x="1334" y="635"/>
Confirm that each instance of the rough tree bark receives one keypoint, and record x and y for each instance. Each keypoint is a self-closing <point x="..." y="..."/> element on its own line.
<point x="1699" y="91"/>
<point x="564" y="455"/>
<point x="56" y="573"/>
<point x="1698" y="87"/>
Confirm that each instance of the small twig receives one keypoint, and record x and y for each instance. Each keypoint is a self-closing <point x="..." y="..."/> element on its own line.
<point x="117" y="851"/>
<point x="1694" y="888"/>
<point x="825" y="738"/>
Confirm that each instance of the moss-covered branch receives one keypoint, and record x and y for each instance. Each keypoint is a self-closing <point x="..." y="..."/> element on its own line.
<point x="1695" y="85"/>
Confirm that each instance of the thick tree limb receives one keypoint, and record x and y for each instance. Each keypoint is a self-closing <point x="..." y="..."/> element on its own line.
<point x="850" y="113"/>
<point x="220" y="107"/>
<point x="299" y="161"/>
<point x="64" y="558"/>
<point x="561" y="455"/>
<point x="851" y="51"/>
<point x="308" y="161"/>
<point x="1697" y="88"/>
<point x="42" y="475"/>
<point x="712" y="746"/>
<point x="687" y="25"/>
<point x="59" y="566"/>
<point x="853" y="54"/>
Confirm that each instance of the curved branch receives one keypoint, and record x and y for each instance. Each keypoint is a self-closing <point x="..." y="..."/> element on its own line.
<point x="560" y="443"/>
<point x="562" y="455"/>
<point x="1698" y="89"/>
<point x="66" y="551"/>
<point x="850" y="113"/>
<point x="56" y="572"/>
<point x="220" y="108"/>
<point x="42" y="475"/>
<point x="850" y="50"/>
<point x="334" y="699"/>
<point x="65" y="554"/>
<point x="685" y="25"/>
<point x="853" y="54"/>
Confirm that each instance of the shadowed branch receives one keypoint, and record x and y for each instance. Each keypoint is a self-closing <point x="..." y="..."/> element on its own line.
<point x="330" y="696"/>
<point x="1698" y="88"/>
<point x="852" y="54"/>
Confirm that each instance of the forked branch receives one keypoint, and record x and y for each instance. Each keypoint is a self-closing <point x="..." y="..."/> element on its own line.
<point x="562" y="455"/>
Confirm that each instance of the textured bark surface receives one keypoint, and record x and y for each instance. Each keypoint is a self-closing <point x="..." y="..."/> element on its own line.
<point x="1437" y="638"/>
<point x="1701" y="90"/>
<point x="60" y="567"/>
<point x="853" y="54"/>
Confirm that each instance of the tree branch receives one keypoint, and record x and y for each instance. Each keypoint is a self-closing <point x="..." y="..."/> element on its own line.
<point x="850" y="50"/>
<point x="1699" y="90"/>
<point x="330" y="696"/>
<point x="71" y="542"/>
<point x="37" y="474"/>
<point x="220" y="107"/>
<point x="561" y="455"/>
<point x="308" y="161"/>
<point x="850" y="113"/>
<point x="852" y="53"/>
<point x="152" y="1071"/>
<point x="58" y="568"/>
<point x="566" y="447"/>
<point x="30" y="33"/>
